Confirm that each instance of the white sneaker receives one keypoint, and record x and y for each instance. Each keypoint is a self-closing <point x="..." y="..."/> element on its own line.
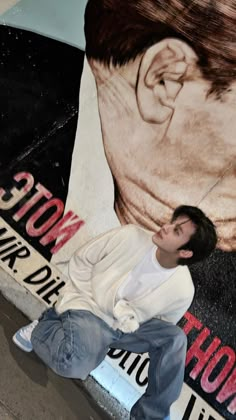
<point x="22" y="338"/>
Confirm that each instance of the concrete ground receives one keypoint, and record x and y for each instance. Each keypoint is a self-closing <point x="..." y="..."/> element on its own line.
<point x="28" y="389"/>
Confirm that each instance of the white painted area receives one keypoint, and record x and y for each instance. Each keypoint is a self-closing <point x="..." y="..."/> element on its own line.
<point x="91" y="189"/>
<point x="20" y="297"/>
<point x="24" y="267"/>
<point x="114" y="382"/>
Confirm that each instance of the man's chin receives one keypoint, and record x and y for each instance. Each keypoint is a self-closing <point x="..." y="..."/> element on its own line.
<point x="156" y="239"/>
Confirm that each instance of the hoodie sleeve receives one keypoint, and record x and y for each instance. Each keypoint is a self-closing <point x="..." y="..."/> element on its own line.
<point x="85" y="258"/>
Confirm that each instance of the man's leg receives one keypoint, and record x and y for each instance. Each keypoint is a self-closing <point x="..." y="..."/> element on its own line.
<point x="72" y="344"/>
<point x="166" y="345"/>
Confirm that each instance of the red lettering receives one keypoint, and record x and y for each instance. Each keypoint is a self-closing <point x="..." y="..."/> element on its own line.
<point x="16" y="193"/>
<point x="195" y="351"/>
<point x="191" y="323"/>
<point x="42" y="192"/>
<point x="32" y="230"/>
<point x="211" y="386"/>
<point x="228" y="390"/>
<point x="65" y="232"/>
<point x="52" y="228"/>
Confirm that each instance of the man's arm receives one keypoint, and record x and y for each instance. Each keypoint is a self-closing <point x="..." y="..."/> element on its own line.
<point x="173" y="304"/>
<point x="175" y="315"/>
<point x="86" y="257"/>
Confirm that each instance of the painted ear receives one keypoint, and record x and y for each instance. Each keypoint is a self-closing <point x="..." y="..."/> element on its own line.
<point x="161" y="76"/>
<point x="185" y="253"/>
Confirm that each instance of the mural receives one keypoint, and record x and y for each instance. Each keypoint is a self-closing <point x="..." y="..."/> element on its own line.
<point x="143" y="124"/>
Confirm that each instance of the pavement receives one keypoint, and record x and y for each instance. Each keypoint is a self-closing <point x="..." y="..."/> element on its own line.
<point x="31" y="391"/>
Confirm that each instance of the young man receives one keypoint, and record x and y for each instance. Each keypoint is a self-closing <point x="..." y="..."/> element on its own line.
<point x="127" y="289"/>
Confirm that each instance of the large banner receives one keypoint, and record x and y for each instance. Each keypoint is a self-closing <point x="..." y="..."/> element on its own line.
<point x="143" y="124"/>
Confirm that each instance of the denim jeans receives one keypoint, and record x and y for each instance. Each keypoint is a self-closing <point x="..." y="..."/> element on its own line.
<point x="75" y="342"/>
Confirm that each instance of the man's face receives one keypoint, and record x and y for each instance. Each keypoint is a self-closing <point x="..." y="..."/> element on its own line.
<point x="174" y="235"/>
<point x="188" y="159"/>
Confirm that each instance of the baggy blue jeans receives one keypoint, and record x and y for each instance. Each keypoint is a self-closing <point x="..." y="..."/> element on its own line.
<point x="75" y="342"/>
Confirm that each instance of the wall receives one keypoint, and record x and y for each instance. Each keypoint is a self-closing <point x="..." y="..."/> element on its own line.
<point x="129" y="155"/>
<point x="55" y="18"/>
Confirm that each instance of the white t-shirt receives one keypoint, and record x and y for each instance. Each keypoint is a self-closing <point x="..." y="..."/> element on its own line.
<point x="146" y="276"/>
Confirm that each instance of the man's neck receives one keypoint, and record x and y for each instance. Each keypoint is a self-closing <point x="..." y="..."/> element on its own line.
<point x="166" y="260"/>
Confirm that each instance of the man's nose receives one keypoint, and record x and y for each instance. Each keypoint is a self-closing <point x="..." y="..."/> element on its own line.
<point x="166" y="228"/>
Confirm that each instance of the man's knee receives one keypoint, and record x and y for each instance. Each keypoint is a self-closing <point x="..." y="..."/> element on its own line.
<point x="70" y="364"/>
<point x="69" y="370"/>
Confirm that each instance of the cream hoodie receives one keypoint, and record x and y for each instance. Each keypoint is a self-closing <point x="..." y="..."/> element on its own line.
<point x="97" y="270"/>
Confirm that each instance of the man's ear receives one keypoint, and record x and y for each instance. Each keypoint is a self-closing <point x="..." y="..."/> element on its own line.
<point x="185" y="253"/>
<point x="163" y="69"/>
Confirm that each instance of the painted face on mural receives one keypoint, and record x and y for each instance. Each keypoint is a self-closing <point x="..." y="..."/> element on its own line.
<point x="167" y="141"/>
<point x="168" y="113"/>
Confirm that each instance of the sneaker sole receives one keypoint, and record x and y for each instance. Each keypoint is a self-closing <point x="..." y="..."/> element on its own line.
<point x="18" y="344"/>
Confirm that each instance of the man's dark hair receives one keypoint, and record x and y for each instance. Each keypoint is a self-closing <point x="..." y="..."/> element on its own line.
<point x="204" y="239"/>
<point x="117" y="31"/>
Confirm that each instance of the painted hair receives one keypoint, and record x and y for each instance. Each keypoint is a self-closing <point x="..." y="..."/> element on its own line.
<point x="118" y="30"/>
